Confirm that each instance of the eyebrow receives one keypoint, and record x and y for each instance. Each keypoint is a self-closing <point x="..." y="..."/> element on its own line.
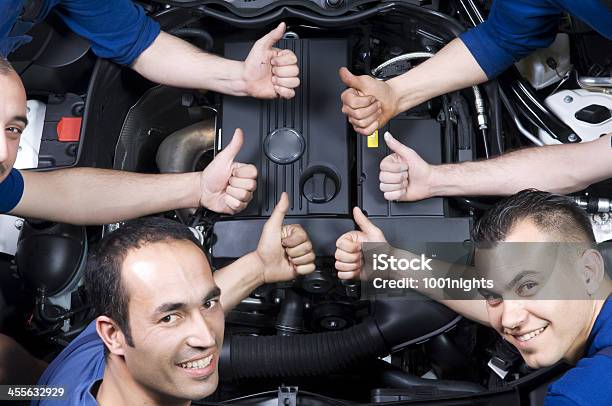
<point x="519" y="277"/>
<point x="23" y="119"/>
<point x="174" y="306"/>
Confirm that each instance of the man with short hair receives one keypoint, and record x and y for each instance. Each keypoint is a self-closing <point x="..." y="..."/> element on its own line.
<point x="160" y="311"/>
<point x="551" y="295"/>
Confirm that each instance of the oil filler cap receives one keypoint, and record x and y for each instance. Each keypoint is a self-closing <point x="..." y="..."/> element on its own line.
<point x="319" y="184"/>
<point x="284" y="146"/>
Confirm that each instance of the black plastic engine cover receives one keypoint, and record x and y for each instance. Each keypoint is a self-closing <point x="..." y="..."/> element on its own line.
<point x="296" y="144"/>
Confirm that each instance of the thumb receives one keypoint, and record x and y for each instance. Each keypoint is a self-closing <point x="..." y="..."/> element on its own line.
<point x="348" y="78"/>
<point x="274" y="36"/>
<point x="363" y="222"/>
<point x="233" y="148"/>
<point x="278" y="214"/>
<point x="396" y="146"/>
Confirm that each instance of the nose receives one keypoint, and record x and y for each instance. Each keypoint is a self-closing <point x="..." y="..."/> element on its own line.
<point x="514" y="314"/>
<point x="3" y="147"/>
<point x="201" y="334"/>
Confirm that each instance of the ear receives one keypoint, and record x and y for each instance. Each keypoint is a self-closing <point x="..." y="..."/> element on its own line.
<point x="111" y="335"/>
<point x="592" y="270"/>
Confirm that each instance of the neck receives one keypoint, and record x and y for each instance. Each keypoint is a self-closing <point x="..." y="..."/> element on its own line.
<point x="575" y="354"/>
<point x="119" y="388"/>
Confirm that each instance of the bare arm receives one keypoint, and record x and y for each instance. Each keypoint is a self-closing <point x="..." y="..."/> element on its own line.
<point x="190" y="67"/>
<point x="99" y="196"/>
<point x="405" y="176"/>
<point x="266" y="73"/>
<point x="452" y="68"/>
<point x="284" y="252"/>
<point x="555" y="168"/>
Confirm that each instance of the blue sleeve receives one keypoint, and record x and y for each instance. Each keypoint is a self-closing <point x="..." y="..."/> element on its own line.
<point x="512" y="31"/>
<point x="559" y="400"/>
<point x="11" y="190"/>
<point x="117" y="29"/>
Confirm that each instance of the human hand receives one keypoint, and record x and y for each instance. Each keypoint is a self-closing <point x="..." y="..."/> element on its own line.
<point x="284" y="250"/>
<point x="270" y="72"/>
<point x="368" y="103"/>
<point x="227" y="186"/>
<point x="349" y="256"/>
<point x="404" y="175"/>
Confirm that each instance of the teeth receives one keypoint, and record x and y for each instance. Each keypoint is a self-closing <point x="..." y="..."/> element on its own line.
<point x="199" y="364"/>
<point x="529" y="336"/>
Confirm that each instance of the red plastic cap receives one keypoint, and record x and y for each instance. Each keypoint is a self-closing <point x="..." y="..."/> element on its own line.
<point x="69" y="129"/>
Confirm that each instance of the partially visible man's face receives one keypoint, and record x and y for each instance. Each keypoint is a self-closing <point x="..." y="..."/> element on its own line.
<point x="531" y="306"/>
<point x="12" y="119"/>
<point x="175" y="319"/>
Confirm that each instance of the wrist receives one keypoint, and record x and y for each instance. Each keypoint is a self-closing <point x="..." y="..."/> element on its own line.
<point x="442" y="181"/>
<point x="256" y="269"/>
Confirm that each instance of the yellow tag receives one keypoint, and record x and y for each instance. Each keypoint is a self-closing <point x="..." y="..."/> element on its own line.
<point x="373" y="140"/>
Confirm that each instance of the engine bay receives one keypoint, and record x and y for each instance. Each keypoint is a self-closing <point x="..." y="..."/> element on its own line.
<point x="316" y="336"/>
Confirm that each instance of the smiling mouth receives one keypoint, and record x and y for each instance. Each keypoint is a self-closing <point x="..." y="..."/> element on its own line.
<point x="529" y="336"/>
<point x="199" y="364"/>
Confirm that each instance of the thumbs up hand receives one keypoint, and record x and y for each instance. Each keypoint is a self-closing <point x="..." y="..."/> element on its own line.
<point x="368" y="103"/>
<point x="349" y="256"/>
<point x="227" y="186"/>
<point x="270" y="72"/>
<point x="285" y="251"/>
<point x="404" y="175"/>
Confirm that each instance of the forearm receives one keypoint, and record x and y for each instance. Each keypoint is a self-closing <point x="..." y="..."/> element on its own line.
<point x="473" y="309"/>
<point x="174" y="62"/>
<point x="554" y="168"/>
<point x="239" y="279"/>
<point x="98" y="196"/>
<point x="452" y="68"/>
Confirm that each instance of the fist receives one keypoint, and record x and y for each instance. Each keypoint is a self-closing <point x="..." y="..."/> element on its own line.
<point x="349" y="256"/>
<point x="368" y="103"/>
<point x="404" y="176"/>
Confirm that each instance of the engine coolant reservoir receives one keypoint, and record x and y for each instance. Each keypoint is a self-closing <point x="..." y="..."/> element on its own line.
<point x="537" y="69"/>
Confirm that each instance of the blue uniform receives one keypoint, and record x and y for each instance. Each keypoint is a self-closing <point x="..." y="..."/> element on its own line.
<point x="117" y="29"/>
<point x="11" y="190"/>
<point x="515" y="28"/>
<point x="79" y="367"/>
<point x="589" y="383"/>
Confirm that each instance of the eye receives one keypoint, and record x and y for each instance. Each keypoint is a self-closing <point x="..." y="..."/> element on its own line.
<point x="15" y="131"/>
<point x="528" y="288"/>
<point x="171" y="318"/>
<point x="491" y="298"/>
<point x="209" y="304"/>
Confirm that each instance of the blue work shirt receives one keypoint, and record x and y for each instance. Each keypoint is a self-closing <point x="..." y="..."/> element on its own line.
<point x="589" y="383"/>
<point x="515" y="28"/>
<point x="117" y="29"/>
<point x="76" y="369"/>
<point x="11" y="190"/>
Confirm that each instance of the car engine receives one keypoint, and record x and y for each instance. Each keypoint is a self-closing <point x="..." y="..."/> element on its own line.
<point x="316" y="335"/>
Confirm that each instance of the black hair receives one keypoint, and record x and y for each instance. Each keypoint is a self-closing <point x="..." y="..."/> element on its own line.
<point x="103" y="281"/>
<point x="5" y="66"/>
<point x="550" y="212"/>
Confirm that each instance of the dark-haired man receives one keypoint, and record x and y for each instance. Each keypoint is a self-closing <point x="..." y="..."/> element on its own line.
<point x="161" y="310"/>
<point x="551" y="293"/>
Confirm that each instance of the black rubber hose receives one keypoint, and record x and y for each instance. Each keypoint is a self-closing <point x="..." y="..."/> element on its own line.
<point x="301" y="355"/>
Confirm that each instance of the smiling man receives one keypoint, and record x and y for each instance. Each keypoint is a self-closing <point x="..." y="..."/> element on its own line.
<point x="159" y="330"/>
<point x="550" y="296"/>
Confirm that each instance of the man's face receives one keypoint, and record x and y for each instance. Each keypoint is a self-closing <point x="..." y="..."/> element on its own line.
<point x="527" y="305"/>
<point x="176" y="320"/>
<point x="12" y="119"/>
